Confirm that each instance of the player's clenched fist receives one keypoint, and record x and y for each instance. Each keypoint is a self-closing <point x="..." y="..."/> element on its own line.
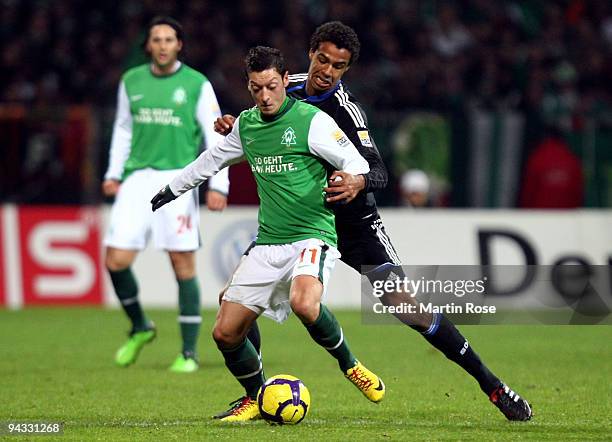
<point x="224" y="124"/>
<point x="162" y="198"/>
<point x="110" y="187"/>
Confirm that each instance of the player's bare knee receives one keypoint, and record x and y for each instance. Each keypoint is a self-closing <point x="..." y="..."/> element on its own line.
<point x="305" y="297"/>
<point x="225" y="339"/>
<point x="115" y="262"/>
<point x="112" y="265"/>
<point x="306" y="308"/>
<point x="183" y="264"/>
<point x="184" y="275"/>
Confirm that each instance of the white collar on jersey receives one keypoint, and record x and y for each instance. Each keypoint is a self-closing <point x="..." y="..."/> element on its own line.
<point x="176" y="67"/>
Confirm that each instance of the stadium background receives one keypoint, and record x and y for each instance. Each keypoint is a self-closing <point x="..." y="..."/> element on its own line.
<point x="465" y="90"/>
<point x="475" y="82"/>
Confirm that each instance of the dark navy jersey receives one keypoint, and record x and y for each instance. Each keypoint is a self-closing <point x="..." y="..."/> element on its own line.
<point x="340" y="104"/>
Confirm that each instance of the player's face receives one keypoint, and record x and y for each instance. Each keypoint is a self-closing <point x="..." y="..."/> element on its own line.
<point x="327" y="66"/>
<point x="268" y="90"/>
<point x="163" y="45"/>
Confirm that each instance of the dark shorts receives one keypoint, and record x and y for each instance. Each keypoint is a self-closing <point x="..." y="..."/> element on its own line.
<point x="366" y="244"/>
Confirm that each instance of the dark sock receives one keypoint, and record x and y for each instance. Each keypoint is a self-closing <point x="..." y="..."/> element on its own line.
<point x="443" y="335"/>
<point x="327" y="333"/>
<point x="243" y="362"/>
<point x="254" y="336"/>
<point x="126" y="288"/>
<point x="190" y="318"/>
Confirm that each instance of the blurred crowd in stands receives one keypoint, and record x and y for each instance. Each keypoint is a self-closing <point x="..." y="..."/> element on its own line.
<point x="549" y="60"/>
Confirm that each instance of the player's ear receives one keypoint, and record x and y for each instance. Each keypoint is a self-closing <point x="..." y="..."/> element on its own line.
<point x="286" y="79"/>
<point x="180" y="45"/>
<point x="311" y="54"/>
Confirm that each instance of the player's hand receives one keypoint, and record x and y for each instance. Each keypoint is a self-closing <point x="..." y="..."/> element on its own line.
<point x="162" y="198"/>
<point x="224" y="124"/>
<point x="343" y="187"/>
<point x="215" y="200"/>
<point x="110" y="187"/>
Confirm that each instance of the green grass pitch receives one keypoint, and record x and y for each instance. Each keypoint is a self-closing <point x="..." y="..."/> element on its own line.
<point x="57" y="365"/>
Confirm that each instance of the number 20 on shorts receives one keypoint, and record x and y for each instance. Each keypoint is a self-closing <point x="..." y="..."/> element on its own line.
<point x="184" y="224"/>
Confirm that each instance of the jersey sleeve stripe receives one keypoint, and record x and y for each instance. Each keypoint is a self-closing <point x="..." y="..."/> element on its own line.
<point x="351" y="111"/>
<point x="351" y="108"/>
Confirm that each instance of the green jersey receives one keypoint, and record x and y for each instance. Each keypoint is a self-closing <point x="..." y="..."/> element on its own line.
<point x="287" y="154"/>
<point x="160" y="119"/>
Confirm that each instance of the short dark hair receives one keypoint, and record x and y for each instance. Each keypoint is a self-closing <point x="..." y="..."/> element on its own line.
<point x="164" y="20"/>
<point x="261" y="58"/>
<point x="336" y="32"/>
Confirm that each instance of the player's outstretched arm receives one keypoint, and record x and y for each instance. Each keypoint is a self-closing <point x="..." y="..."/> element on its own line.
<point x="227" y="152"/>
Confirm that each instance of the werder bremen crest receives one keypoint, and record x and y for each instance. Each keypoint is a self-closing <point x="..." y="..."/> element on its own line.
<point x="179" y="96"/>
<point x="288" y="138"/>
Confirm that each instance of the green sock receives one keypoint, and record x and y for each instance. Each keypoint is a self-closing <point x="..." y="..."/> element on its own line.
<point x="243" y="362"/>
<point x="126" y="289"/>
<point x="327" y="333"/>
<point x="190" y="318"/>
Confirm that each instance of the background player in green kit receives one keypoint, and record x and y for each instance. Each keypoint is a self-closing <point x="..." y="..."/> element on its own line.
<point x="163" y="108"/>
<point x="285" y="142"/>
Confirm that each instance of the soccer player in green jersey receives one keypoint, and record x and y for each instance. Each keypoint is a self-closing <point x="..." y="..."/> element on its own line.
<point x="286" y="143"/>
<point x="163" y="109"/>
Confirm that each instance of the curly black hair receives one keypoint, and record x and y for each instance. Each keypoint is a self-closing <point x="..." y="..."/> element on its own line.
<point x="261" y="58"/>
<point x="343" y="36"/>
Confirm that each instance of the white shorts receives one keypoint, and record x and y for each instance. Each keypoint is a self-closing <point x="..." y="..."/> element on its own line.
<point x="263" y="278"/>
<point x="174" y="227"/>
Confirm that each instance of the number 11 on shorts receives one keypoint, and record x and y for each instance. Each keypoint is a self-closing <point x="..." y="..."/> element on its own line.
<point x="312" y="259"/>
<point x="312" y="253"/>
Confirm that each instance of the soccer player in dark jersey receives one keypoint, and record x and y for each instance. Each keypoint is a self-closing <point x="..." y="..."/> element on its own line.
<point x="362" y="239"/>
